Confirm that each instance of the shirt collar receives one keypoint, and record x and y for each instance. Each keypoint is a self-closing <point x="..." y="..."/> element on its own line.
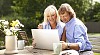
<point x="68" y="23"/>
<point x="58" y="24"/>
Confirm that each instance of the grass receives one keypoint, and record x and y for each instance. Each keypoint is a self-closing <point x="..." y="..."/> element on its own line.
<point x="94" y="34"/>
<point x="96" y="53"/>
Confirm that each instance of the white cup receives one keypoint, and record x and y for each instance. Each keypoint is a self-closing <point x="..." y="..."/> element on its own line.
<point x="57" y="48"/>
<point x="21" y="44"/>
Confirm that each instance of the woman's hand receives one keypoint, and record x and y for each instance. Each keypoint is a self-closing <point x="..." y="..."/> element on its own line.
<point x="40" y="26"/>
<point x="33" y="43"/>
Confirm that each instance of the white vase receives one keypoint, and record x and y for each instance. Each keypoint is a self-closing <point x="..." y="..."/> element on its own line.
<point x="11" y="44"/>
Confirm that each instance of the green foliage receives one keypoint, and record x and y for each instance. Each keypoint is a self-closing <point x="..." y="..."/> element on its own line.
<point x="5" y="7"/>
<point x="35" y="8"/>
<point x="96" y="12"/>
<point x="18" y="6"/>
<point x="96" y="53"/>
<point x="93" y="14"/>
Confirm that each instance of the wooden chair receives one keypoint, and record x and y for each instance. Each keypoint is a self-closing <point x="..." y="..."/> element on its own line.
<point x="22" y="35"/>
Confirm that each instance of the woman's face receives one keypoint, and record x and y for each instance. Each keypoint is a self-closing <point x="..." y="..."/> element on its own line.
<point x="52" y="16"/>
<point x="65" y="17"/>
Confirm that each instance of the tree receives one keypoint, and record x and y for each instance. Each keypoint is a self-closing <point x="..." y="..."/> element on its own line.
<point x="5" y="7"/>
<point x="18" y="7"/>
<point x="93" y="13"/>
<point x="31" y="11"/>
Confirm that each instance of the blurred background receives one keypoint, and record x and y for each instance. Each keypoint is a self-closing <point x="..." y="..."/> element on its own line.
<point x="30" y="13"/>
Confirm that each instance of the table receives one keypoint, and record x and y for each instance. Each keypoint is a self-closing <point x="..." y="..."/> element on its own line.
<point x="29" y="50"/>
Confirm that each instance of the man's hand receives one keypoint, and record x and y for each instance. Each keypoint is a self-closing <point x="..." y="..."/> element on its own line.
<point x="64" y="45"/>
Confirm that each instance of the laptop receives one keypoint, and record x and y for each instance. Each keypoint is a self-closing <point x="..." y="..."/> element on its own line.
<point x="44" y="38"/>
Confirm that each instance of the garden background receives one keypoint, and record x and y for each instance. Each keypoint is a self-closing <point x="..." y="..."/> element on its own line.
<point x="30" y="12"/>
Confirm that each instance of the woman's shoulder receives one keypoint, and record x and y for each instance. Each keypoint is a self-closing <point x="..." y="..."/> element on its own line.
<point x="44" y="23"/>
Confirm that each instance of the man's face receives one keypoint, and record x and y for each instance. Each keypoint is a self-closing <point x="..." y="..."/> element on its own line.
<point x="65" y="17"/>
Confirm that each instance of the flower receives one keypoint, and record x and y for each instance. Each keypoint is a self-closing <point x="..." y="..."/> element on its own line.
<point x="10" y="28"/>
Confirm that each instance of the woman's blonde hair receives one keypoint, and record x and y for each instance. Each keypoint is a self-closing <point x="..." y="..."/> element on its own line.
<point x="66" y="8"/>
<point x="49" y="10"/>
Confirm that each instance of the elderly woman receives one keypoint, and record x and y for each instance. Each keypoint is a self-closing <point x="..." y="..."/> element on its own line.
<point x="75" y="31"/>
<point x="52" y="20"/>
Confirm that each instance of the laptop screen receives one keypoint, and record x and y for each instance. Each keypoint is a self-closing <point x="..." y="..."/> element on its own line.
<point x="44" y="38"/>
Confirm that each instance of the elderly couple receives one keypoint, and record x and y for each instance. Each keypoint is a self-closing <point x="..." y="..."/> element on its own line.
<point x="71" y="29"/>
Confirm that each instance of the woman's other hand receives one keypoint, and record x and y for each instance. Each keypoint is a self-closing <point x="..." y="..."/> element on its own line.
<point x="40" y="26"/>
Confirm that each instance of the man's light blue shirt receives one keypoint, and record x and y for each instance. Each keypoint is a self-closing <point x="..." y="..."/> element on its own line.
<point x="76" y="32"/>
<point x="59" y="26"/>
